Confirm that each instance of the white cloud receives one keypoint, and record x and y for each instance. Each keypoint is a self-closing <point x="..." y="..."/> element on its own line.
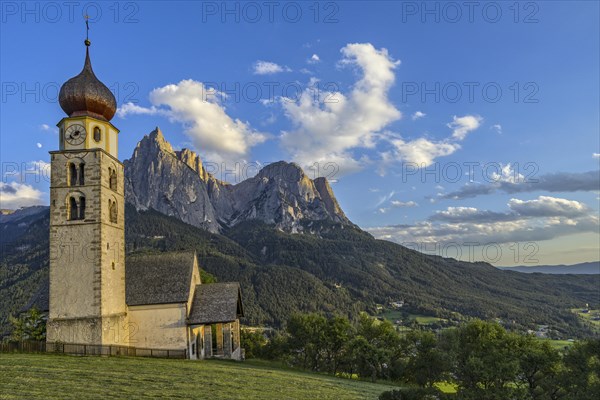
<point x="525" y="221"/>
<point x="507" y="174"/>
<point x="461" y="126"/>
<point x="596" y="155"/>
<point x="497" y="128"/>
<point x="546" y="206"/>
<point x="268" y="68"/>
<point x="15" y="195"/>
<point x="424" y="151"/>
<point x="511" y="182"/>
<point x="326" y="129"/>
<point x="420" y="151"/>
<point x="48" y="128"/>
<point x="39" y="145"/>
<point x="417" y="115"/>
<point x="314" y="59"/>
<point x="204" y="119"/>
<point x="134" y="109"/>
<point x="397" y="203"/>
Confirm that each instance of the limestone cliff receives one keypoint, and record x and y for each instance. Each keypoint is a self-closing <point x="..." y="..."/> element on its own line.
<point x="177" y="184"/>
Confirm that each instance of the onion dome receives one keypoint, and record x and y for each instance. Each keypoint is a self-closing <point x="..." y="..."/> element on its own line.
<point x="84" y="94"/>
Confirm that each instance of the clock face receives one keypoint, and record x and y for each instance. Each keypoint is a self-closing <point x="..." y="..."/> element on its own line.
<point x="75" y="134"/>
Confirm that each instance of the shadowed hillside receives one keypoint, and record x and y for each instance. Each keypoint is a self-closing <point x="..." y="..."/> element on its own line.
<point x="340" y="270"/>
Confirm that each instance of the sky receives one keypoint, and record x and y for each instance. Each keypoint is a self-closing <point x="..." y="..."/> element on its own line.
<point x="464" y="129"/>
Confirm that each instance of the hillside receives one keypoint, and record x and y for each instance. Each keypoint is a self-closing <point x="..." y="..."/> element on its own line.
<point x="45" y="376"/>
<point x="339" y="270"/>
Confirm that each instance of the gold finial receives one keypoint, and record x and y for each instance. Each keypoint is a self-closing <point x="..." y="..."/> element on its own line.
<point x="87" y="30"/>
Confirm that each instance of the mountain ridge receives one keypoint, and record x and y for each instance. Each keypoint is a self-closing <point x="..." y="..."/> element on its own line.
<point x="586" y="268"/>
<point x="177" y="184"/>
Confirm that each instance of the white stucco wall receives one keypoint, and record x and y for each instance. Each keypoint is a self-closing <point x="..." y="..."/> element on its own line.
<point x="159" y="326"/>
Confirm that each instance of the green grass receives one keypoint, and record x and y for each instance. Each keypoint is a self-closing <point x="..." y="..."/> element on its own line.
<point x="51" y="376"/>
<point x="588" y="317"/>
<point x="393" y="315"/>
<point x="558" y="344"/>
<point x="446" y="387"/>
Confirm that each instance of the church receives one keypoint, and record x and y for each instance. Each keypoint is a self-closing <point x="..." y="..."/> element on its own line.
<point x="99" y="296"/>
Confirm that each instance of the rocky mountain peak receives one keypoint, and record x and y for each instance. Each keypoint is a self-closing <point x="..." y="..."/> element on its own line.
<point x="156" y="139"/>
<point x="176" y="183"/>
<point x="192" y="160"/>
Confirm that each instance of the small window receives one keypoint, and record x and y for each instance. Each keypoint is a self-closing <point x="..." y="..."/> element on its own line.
<point x="76" y="174"/>
<point x="73" y="209"/>
<point x="81" y="174"/>
<point x="112" y="211"/>
<point x="97" y="134"/>
<point x="76" y="207"/>
<point x="72" y="174"/>
<point x="112" y="179"/>
<point x="82" y="208"/>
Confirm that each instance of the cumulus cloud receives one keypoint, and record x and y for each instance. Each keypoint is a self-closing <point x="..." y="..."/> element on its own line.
<point x="417" y="115"/>
<point x="555" y="182"/>
<point x="421" y="151"/>
<point x="546" y="206"/>
<point x="133" y="109"/>
<point x="204" y="119"/>
<point x="596" y="155"/>
<point x="461" y="126"/>
<point x="327" y="128"/>
<point x="15" y="195"/>
<point x="470" y="214"/>
<point x="268" y="68"/>
<point x="314" y="59"/>
<point x="539" y="219"/>
<point x="39" y="145"/>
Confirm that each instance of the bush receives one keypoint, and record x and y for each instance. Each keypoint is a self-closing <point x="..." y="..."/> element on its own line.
<point x="252" y="343"/>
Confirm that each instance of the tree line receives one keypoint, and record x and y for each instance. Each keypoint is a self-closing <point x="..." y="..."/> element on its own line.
<point x="481" y="359"/>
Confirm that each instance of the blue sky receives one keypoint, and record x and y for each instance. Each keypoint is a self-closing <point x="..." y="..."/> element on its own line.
<point x="396" y="102"/>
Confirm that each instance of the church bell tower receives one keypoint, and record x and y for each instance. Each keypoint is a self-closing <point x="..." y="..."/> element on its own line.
<point x="87" y="239"/>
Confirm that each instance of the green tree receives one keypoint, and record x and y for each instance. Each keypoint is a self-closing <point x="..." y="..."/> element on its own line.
<point x="307" y="334"/>
<point x="253" y="343"/>
<point x="425" y="362"/>
<point x="29" y="326"/>
<point x="581" y="377"/>
<point x="337" y="335"/>
<point x="376" y="347"/>
<point x="540" y="367"/>
<point x="487" y="362"/>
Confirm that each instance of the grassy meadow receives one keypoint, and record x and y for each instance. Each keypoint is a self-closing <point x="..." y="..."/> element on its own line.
<point x="51" y="376"/>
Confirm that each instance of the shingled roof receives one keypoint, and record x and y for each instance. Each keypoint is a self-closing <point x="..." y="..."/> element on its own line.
<point x="216" y="302"/>
<point x="158" y="278"/>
